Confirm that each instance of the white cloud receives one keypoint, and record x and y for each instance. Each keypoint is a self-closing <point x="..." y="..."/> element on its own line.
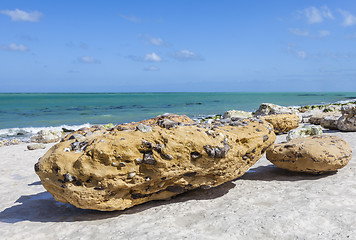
<point x="19" y="15"/>
<point x="317" y="15"/>
<point x="185" y="55"/>
<point x="87" y="59"/>
<point x="147" y="39"/>
<point x="324" y="33"/>
<point x="301" y="54"/>
<point x="14" y="47"/>
<point x="298" y="32"/>
<point x="130" y="18"/>
<point x="349" y="19"/>
<point x="157" y="41"/>
<point x="153" y="57"/>
<point x="303" y="33"/>
<point x="151" y="68"/>
<point x="294" y="50"/>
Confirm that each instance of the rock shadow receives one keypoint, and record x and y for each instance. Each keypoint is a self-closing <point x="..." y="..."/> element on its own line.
<point x="274" y="173"/>
<point x="34" y="183"/>
<point x="42" y="207"/>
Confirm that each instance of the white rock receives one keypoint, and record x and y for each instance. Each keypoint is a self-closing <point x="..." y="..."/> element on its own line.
<point x="304" y="131"/>
<point x="47" y="136"/>
<point x="237" y="114"/>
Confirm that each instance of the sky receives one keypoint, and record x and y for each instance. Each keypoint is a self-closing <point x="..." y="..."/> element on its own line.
<point x="177" y="46"/>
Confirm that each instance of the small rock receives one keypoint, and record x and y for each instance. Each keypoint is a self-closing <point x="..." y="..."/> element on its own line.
<point x="304" y="131"/>
<point x="315" y="154"/>
<point x="78" y="137"/>
<point x="236" y="114"/>
<point x="282" y="123"/>
<point x="47" y="136"/>
<point x="269" y="108"/>
<point x="330" y="122"/>
<point x="36" y="146"/>
<point x="144" y="128"/>
<point x="347" y="122"/>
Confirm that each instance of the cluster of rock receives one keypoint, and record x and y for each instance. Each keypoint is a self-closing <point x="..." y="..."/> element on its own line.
<point x="96" y="168"/>
<point x="6" y="142"/>
<point x="332" y="116"/>
<point x="116" y="167"/>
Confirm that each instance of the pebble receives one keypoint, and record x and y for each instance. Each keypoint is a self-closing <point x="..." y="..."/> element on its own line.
<point x="36" y="146"/>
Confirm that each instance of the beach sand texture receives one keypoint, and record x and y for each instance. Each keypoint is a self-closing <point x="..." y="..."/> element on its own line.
<point x="265" y="203"/>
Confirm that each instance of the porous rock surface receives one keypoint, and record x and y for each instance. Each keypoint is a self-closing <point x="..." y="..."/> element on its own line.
<point x="117" y="169"/>
<point x="316" y="154"/>
<point x="347" y="122"/>
<point x="282" y="123"/>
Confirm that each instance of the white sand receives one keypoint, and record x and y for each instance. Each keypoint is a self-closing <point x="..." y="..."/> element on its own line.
<point x="266" y="203"/>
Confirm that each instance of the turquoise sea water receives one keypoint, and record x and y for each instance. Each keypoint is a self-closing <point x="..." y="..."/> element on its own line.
<point x="20" y="110"/>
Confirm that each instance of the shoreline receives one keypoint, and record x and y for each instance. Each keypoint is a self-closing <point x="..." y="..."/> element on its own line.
<point x="17" y="135"/>
<point x="266" y="202"/>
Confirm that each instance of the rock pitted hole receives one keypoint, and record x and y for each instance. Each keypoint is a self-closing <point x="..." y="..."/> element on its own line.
<point x="217" y="152"/>
<point x="37" y="167"/>
<point x="148" y="158"/>
<point x="195" y="155"/>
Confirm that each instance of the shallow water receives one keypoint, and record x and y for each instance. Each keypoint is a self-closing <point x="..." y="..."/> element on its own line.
<point x="38" y="110"/>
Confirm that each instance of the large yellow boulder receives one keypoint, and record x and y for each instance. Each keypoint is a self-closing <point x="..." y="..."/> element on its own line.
<point x="114" y="170"/>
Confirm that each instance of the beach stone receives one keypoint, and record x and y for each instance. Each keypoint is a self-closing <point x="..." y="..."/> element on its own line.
<point x="47" y="136"/>
<point x="330" y="122"/>
<point x="347" y="122"/>
<point x="237" y="114"/>
<point x="3" y="142"/>
<point x="282" y="123"/>
<point x="119" y="169"/>
<point x="144" y="128"/>
<point x="36" y="146"/>
<point x="269" y="108"/>
<point x="315" y="154"/>
<point x="78" y="137"/>
<point x="304" y="131"/>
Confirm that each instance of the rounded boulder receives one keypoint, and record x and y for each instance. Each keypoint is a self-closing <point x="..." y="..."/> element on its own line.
<point x="316" y="154"/>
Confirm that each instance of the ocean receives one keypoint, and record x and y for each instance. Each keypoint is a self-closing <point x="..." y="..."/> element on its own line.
<point x="26" y="113"/>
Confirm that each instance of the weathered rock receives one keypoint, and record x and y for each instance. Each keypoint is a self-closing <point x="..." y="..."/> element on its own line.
<point x="36" y="146"/>
<point x="78" y="137"/>
<point x="330" y="122"/>
<point x="317" y="117"/>
<point x="269" y="108"/>
<point x="109" y="126"/>
<point x="144" y="128"/>
<point x="47" y="136"/>
<point x="316" y="154"/>
<point x="304" y="131"/>
<point x="119" y="169"/>
<point x="237" y="114"/>
<point x="282" y="123"/>
<point x="347" y="122"/>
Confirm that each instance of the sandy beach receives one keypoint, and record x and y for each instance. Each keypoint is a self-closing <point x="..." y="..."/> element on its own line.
<point x="265" y="203"/>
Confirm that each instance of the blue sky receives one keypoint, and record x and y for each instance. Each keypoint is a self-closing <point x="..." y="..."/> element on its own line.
<point x="135" y="46"/>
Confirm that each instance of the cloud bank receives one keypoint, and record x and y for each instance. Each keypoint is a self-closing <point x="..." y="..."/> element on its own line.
<point x="19" y="15"/>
